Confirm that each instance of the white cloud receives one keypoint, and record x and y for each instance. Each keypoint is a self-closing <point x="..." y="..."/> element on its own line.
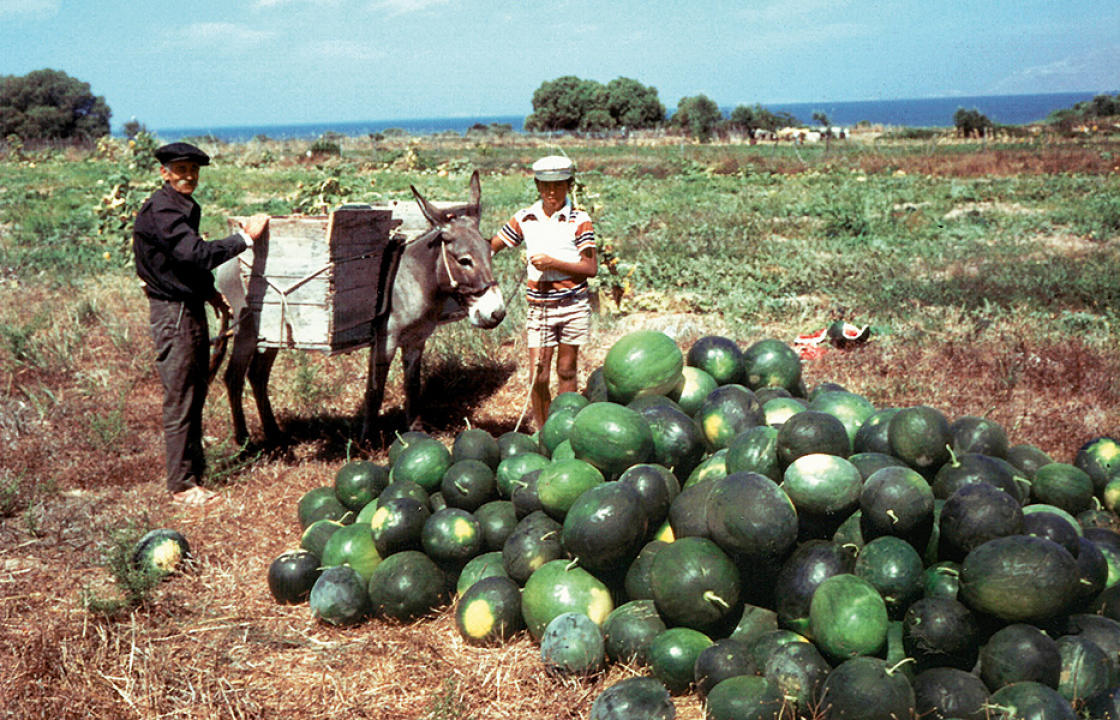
<point x="404" y="7"/>
<point x="217" y="33"/>
<point x="32" y="8"/>
<point x="1094" y="70"/>
<point x="342" y="50"/>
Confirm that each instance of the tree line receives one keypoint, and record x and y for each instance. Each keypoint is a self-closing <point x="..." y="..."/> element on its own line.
<point x="573" y="104"/>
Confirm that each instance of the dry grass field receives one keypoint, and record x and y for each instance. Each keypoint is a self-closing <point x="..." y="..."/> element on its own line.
<point x="81" y="466"/>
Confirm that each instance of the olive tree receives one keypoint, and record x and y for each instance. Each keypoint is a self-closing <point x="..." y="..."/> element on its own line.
<point x="698" y="115"/>
<point x="51" y="105"/>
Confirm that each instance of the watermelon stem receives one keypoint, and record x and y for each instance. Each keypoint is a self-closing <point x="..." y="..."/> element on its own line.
<point x="893" y="516"/>
<point x="894" y="668"/>
<point x="467" y="420"/>
<point x="951" y="572"/>
<point x="953" y="461"/>
<point x="349" y="442"/>
<point x="572" y="565"/>
<point x="711" y="597"/>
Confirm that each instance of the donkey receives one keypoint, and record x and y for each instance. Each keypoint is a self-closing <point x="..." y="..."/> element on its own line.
<point x="450" y="261"/>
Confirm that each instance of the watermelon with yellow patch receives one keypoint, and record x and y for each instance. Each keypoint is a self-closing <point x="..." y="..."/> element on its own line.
<point x="727" y="411"/>
<point x="161" y="551"/>
<point x="451" y="535"/>
<point x="489" y="611"/>
<point x="561" y="586"/>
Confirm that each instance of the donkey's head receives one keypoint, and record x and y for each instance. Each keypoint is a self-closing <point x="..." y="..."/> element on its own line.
<point x="463" y="266"/>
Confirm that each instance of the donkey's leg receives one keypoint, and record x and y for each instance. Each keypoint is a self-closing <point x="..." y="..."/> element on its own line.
<point x="234" y="380"/>
<point x="260" y="367"/>
<point x="411" y="358"/>
<point x="380" y="358"/>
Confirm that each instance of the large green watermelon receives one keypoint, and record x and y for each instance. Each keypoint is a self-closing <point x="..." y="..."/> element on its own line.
<point x="644" y="362"/>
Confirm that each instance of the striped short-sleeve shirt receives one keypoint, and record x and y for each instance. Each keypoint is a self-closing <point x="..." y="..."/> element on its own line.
<point x="564" y="236"/>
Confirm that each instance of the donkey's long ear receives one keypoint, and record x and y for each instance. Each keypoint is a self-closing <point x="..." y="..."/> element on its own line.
<point x="434" y="216"/>
<point x="476" y="194"/>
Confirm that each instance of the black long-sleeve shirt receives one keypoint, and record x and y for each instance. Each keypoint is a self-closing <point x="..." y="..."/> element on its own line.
<point x="172" y="259"/>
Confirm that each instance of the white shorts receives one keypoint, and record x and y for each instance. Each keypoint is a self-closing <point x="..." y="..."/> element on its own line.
<point x="550" y="325"/>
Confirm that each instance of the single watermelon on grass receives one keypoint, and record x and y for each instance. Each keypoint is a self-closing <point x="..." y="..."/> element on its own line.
<point x="161" y="551"/>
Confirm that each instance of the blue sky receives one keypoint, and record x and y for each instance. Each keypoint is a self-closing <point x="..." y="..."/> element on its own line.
<point x="263" y="62"/>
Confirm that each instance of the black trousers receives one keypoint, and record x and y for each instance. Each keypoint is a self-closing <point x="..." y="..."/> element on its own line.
<point x="181" y="335"/>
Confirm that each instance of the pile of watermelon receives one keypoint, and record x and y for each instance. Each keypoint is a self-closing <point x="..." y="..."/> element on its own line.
<point x="779" y="550"/>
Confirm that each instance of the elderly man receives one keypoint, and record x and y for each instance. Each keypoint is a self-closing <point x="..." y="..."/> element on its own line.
<point x="560" y="243"/>
<point x="175" y="264"/>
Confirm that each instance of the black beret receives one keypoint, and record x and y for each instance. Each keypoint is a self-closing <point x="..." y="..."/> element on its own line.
<point x="173" y="152"/>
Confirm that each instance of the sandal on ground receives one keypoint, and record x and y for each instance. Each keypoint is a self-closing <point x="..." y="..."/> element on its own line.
<point x="196" y="495"/>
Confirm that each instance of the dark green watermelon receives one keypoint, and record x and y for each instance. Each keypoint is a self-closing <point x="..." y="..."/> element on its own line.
<point x="948" y="692"/>
<point x="772" y="363"/>
<point x="292" y="575"/>
<point x="573" y="643"/>
<point x="423" y="462"/>
<point x="972" y="516"/>
<point x="745" y="697"/>
<point x="486" y="565"/>
<point x="633" y="698"/>
<point x="849" y="408"/>
<point x="314" y="538"/>
<point x="352" y="545"/>
<point x="940" y="632"/>
<point x="1086" y="670"/>
<point x="476" y="444"/>
<point x="1064" y="485"/>
<point x="398" y="525"/>
<point x="160" y="552"/>
<point x="556" y="427"/>
<point x="562" y="482"/>
<point x="897" y="501"/>
<point x="358" y="482"/>
<point x="755" y="450"/>
<point x="402" y="441"/>
<point x="750" y="516"/>
<point x="468" y="484"/>
<point x="695" y="385"/>
<point x="405" y="489"/>
<point x="807" y="567"/>
<point x="605" y="527"/>
<point x="672" y="657"/>
<point x="727" y="411"/>
<point x="920" y="437"/>
<point x="489" y="611"/>
<point x="339" y="596"/>
<point x="637" y="581"/>
<point x="514" y="443"/>
<point x="720" y="357"/>
<point x="497" y="520"/>
<point x="630" y="629"/>
<point x="512" y="468"/>
<point x="407" y="585"/>
<point x="866" y="688"/>
<point x="694" y="583"/>
<point x="872" y="434"/>
<point x="971" y="434"/>
<point x="798" y="670"/>
<point x="452" y="535"/>
<point x="534" y="541"/>
<point x="810" y="432"/>
<point x="1020" y="652"/>
<point x="678" y="442"/>
<point x="894" y="568"/>
<point x="320" y="503"/>
<point x="656" y="487"/>
<point x="1019" y="578"/>
<point x="1034" y="701"/>
<point x="1099" y="458"/>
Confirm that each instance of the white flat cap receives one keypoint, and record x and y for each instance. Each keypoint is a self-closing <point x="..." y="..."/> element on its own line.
<point x="552" y="167"/>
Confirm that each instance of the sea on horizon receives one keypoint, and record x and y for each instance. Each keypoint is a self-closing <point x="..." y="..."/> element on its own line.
<point x="911" y="112"/>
